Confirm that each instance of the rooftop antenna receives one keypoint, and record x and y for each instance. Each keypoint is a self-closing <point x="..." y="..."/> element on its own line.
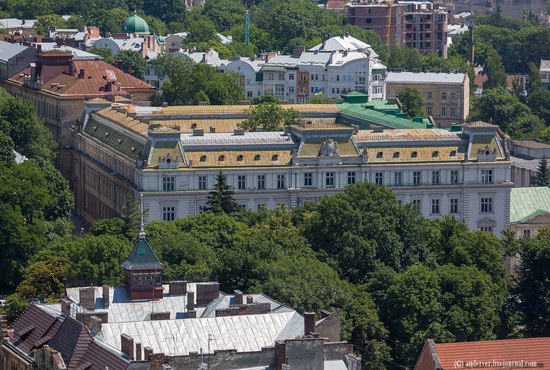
<point x="141" y="228"/>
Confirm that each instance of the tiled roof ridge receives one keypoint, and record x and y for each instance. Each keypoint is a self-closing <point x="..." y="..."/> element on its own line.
<point x="507" y="340"/>
<point x="84" y="340"/>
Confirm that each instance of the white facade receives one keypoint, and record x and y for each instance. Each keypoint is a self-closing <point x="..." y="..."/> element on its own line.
<point x="337" y="66"/>
<point x="464" y="174"/>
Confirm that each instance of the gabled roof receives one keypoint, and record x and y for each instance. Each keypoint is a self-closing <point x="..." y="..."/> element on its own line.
<point x="528" y="203"/>
<point x="532" y="349"/>
<point x="339" y="43"/>
<point x="142" y="257"/>
<point x="32" y="326"/>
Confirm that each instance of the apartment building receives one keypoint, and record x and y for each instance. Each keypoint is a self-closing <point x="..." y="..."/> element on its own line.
<point x="446" y="96"/>
<point x="415" y="24"/>
<point x="173" y="162"/>
<point x="334" y="67"/>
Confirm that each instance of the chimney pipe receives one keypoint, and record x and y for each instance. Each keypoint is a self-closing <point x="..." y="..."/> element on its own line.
<point x="309" y="323"/>
<point x="238" y="297"/>
<point x="106" y="297"/>
<point x="190" y="301"/>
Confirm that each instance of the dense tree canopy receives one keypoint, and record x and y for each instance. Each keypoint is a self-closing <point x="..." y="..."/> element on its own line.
<point x="412" y="102"/>
<point x="269" y="116"/>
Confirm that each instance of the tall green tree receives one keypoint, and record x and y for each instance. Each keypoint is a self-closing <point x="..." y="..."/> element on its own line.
<point x="131" y="62"/>
<point x="45" y="22"/>
<point x="269" y="116"/>
<point x="221" y="198"/>
<point x="411" y="101"/>
<point x="105" y="53"/>
<point x="534" y="78"/>
<point x="543" y="173"/>
<point x="496" y="76"/>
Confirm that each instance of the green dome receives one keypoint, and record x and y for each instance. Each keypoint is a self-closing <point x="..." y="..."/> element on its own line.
<point x="135" y="24"/>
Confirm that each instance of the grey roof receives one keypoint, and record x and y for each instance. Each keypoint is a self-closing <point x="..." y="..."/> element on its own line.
<point x="531" y="144"/>
<point x="528" y="164"/>
<point x="215" y="139"/>
<point x="19" y="158"/>
<point x="247" y="333"/>
<point x="9" y="50"/>
<point x="78" y="54"/>
<point x="339" y="43"/>
<point x="425" y="77"/>
<point x="16" y="23"/>
<point x="335" y="365"/>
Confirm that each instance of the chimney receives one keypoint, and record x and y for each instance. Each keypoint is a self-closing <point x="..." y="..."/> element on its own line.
<point x="207" y="292"/>
<point x="127" y="345"/>
<point x="177" y="287"/>
<point x="238" y="297"/>
<point x="471" y="44"/>
<point x="190" y="301"/>
<point x="198" y="132"/>
<point x="81" y="73"/>
<point x="297" y="52"/>
<point x="66" y="307"/>
<point x="95" y="325"/>
<point x="249" y="299"/>
<point x="39" y="48"/>
<point x="309" y="323"/>
<point x="87" y="298"/>
<point x="147" y="352"/>
<point x="138" y="351"/>
<point x="105" y="295"/>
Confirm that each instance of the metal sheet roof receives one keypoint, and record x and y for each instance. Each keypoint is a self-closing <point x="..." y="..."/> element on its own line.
<point x="247" y="333"/>
<point x="425" y="77"/>
<point x="9" y="50"/>
<point x="526" y="203"/>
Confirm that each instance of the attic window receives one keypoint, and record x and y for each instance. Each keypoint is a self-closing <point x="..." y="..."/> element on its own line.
<point x="396" y="154"/>
<point x="275" y="157"/>
<point x="257" y="157"/>
<point x="95" y="128"/>
<point x="380" y="155"/>
<point x="141" y="251"/>
<point x="414" y="154"/>
<point x="203" y="158"/>
<point x="193" y="126"/>
<point x="487" y="152"/>
<point x="106" y="134"/>
<point x="435" y="153"/>
<point x="120" y="141"/>
<point x="221" y="158"/>
<point x="453" y="153"/>
<point x="168" y="160"/>
<point x="240" y="157"/>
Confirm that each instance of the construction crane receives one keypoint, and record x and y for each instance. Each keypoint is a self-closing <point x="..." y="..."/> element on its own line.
<point x="389" y="3"/>
<point x="247" y="28"/>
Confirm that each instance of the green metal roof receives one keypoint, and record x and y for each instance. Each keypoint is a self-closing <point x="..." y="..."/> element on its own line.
<point x="528" y="203"/>
<point x="377" y="113"/>
<point x="142" y="257"/>
<point x="135" y="24"/>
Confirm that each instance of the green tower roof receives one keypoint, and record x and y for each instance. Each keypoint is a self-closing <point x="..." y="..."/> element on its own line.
<point x="142" y="257"/>
<point x="136" y="24"/>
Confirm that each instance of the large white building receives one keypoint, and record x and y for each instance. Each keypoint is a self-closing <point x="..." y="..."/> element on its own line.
<point x="172" y="155"/>
<point x="336" y="66"/>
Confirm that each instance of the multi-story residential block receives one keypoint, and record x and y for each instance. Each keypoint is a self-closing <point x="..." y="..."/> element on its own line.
<point x="165" y="155"/>
<point x="446" y="96"/>
<point x="336" y="66"/>
<point x="544" y="69"/>
<point x="416" y="24"/>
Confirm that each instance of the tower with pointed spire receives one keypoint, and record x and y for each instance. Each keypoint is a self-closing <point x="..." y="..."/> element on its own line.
<point x="142" y="269"/>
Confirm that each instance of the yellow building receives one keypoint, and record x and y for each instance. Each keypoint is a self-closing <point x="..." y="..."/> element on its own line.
<point x="446" y="96"/>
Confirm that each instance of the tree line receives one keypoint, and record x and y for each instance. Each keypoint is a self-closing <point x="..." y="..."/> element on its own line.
<point x="396" y="277"/>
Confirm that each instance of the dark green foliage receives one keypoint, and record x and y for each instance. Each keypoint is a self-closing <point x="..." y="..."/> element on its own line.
<point x="221" y="200"/>
<point x="269" y="116"/>
<point x="533" y="288"/>
<point x="539" y="102"/>
<point x="411" y="100"/>
<point x="131" y="62"/>
<point x="7" y="155"/>
<point x="543" y="173"/>
<point x="105" y="53"/>
<point x="189" y="82"/>
<point x="496" y="76"/>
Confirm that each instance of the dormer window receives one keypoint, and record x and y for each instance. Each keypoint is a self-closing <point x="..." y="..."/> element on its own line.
<point x="120" y="141"/>
<point x="203" y="158"/>
<point x="380" y="155"/>
<point x="275" y="157"/>
<point x="221" y="158"/>
<point x="257" y="157"/>
<point x="453" y="153"/>
<point x="435" y="153"/>
<point x="193" y="126"/>
<point x="396" y="154"/>
<point x="414" y="154"/>
<point x="240" y="157"/>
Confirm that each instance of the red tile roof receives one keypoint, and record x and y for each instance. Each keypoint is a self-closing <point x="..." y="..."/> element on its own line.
<point x="531" y="349"/>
